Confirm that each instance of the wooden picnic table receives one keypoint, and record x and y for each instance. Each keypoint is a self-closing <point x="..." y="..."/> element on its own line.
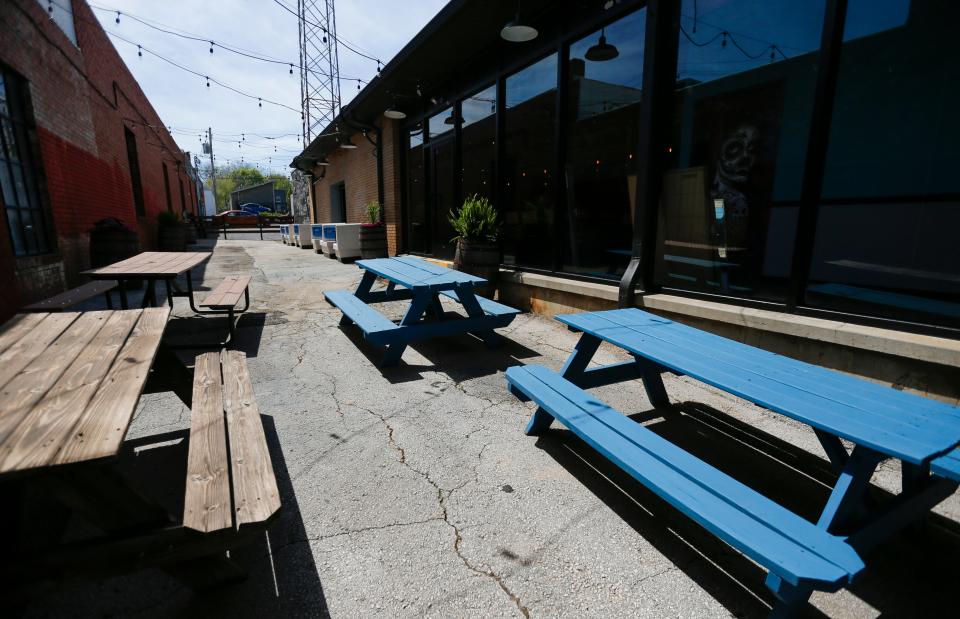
<point x="69" y="388"/>
<point x="881" y="423"/>
<point x="150" y="266"/>
<point x="70" y="382"/>
<point x="422" y="283"/>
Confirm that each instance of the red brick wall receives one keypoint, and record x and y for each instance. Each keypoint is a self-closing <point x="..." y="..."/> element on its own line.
<point x="357" y="169"/>
<point x="82" y="98"/>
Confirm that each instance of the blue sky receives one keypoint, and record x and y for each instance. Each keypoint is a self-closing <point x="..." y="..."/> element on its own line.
<point x="380" y="28"/>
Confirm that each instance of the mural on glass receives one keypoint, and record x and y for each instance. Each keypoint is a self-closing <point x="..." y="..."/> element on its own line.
<point x="528" y="171"/>
<point x="746" y="73"/>
<point x="886" y="240"/>
<point x="604" y="84"/>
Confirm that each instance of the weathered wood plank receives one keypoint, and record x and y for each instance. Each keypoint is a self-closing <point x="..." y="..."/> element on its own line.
<point x="255" y="493"/>
<point x="30" y="385"/>
<point x="18" y="328"/>
<point x="39" y="437"/>
<point x="19" y="354"/>
<point x="72" y="297"/>
<point x="104" y="423"/>
<point x="206" y="505"/>
<point x="228" y="293"/>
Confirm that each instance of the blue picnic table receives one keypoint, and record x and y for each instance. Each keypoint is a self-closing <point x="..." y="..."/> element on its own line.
<point x="422" y="283"/>
<point x="880" y="422"/>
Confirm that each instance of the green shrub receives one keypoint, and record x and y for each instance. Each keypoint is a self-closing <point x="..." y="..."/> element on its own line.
<point x="373" y="212"/>
<point x="476" y="220"/>
<point x="167" y="218"/>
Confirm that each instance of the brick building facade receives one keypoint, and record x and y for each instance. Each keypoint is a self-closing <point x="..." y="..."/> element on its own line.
<point x="356" y="169"/>
<point x="84" y="119"/>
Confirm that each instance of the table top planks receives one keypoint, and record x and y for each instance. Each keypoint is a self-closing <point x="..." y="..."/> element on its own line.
<point x="413" y="272"/>
<point x="70" y="382"/>
<point x="151" y="264"/>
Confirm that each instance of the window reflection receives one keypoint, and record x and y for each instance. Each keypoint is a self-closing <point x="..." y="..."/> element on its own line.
<point x="746" y="73"/>
<point x="416" y="196"/>
<point x="604" y="83"/>
<point x="528" y="171"/>
<point x="478" y="143"/>
<point x="886" y="239"/>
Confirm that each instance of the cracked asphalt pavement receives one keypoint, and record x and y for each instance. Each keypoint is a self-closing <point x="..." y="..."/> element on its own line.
<point x="414" y="492"/>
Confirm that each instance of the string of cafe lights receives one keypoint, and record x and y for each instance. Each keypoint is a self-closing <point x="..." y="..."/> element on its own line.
<point x="212" y="43"/>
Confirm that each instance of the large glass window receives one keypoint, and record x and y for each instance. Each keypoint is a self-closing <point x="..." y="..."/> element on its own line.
<point x="886" y="240"/>
<point x="418" y="239"/>
<point x="746" y="76"/>
<point x="19" y="182"/>
<point x="478" y="143"/>
<point x="528" y="171"/>
<point x="440" y="186"/>
<point x="604" y="85"/>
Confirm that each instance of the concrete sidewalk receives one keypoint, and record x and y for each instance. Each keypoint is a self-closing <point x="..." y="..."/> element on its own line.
<point x="413" y="491"/>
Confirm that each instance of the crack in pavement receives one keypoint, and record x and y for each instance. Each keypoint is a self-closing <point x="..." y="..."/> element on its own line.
<point x="442" y="497"/>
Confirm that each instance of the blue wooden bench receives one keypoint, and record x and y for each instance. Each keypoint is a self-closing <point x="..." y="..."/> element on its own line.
<point x="422" y="283"/>
<point x="801" y="556"/>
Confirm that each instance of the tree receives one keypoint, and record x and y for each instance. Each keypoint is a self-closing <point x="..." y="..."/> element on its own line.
<point x="231" y="178"/>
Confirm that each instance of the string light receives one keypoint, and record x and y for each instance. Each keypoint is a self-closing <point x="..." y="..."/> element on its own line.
<point x="211" y="47"/>
<point x="259" y="102"/>
<point x="139" y="51"/>
<point x="208" y="81"/>
<point x="291" y="68"/>
<point x="118" y="17"/>
<point x="50" y="7"/>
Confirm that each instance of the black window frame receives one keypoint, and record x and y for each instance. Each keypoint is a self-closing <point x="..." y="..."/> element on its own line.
<point x="166" y="185"/>
<point x="19" y="115"/>
<point x="133" y="163"/>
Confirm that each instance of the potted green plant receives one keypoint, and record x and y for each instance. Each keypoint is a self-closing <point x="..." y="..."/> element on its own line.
<point x="373" y="234"/>
<point x="478" y="227"/>
<point x="171" y="235"/>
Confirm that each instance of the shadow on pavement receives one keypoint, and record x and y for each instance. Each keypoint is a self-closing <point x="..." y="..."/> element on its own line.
<point x="909" y="575"/>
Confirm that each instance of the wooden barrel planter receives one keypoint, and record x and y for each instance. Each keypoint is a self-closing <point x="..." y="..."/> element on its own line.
<point x="480" y="259"/>
<point x="172" y="238"/>
<point x="373" y="241"/>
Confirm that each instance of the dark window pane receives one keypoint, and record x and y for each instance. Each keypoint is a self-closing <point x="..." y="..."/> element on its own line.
<point x="416" y="194"/>
<point x="6" y="182"/>
<point x="886" y="239"/>
<point x="441" y="123"/>
<point x="16" y="232"/>
<point x="744" y="94"/>
<point x="441" y="157"/>
<point x="529" y="189"/>
<point x="604" y="83"/>
<point x="478" y="143"/>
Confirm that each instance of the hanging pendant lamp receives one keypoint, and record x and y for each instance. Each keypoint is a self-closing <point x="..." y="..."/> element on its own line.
<point x="602" y="51"/>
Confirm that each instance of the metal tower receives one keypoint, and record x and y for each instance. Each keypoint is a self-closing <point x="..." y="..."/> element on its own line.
<point x="319" y="66"/>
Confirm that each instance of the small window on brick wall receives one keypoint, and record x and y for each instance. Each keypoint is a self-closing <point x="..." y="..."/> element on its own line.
<point x="27" y="220"/>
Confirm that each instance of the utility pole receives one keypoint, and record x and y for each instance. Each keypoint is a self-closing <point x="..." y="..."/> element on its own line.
<point x="213" y="170"/>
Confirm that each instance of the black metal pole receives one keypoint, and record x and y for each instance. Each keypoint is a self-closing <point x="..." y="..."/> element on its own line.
<point x="659" y="74"/>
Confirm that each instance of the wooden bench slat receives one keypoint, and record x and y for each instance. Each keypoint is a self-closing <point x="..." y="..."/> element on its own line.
<point x="207" y="505"/>
<point x="375" y="326"/>
<point x="19" y="354"/>
<point x="947" y="465"/>
<point x="771" y="535"/>
<point x="491" y="308"/>
<point x="104" y="423"/>
<point x="896" y="437"/>
<point x="48" y="425"/>
<point x="228" y="292"/>
<point x="73" y="296"/>
<point x="255" y="493"/>
<point x="30" y="385"/>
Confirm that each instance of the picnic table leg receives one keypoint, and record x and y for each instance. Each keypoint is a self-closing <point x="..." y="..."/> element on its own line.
<point x="366" y="283"/>
<point x="436" y="308"/>
<point x="166" y="284"/>
<point x="150" y="296"/>
<point x="791" y="598"/>
<point x="573" y="369"/>
<point x="124" y="302"/>
<point x="653" y="383"/>
<point x="848" y="493"/>
<point x="468" y="299"/>
<point x="418" y="305"/>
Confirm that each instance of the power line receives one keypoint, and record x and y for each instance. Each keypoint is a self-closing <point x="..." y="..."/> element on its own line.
<point x="212" y="42"/>
<point x="209" y="79"/>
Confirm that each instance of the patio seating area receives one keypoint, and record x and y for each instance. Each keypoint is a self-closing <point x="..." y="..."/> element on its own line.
<point x="412" y="489"/>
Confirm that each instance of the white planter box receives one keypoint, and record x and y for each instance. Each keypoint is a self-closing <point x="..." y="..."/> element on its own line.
<point x="347" y="245"/>
<point x="285" y="233"/>
<point x="316" y="237"/>
<point x="301" y="235"/>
